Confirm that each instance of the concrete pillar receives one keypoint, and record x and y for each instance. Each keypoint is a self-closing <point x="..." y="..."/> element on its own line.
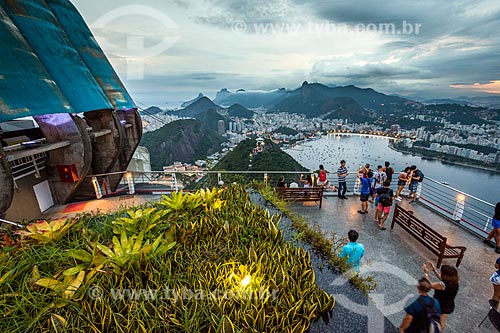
<point x="106" y="148"/>
<point x="66" y="127"/>
<point x="6" y="184"/>
<point x="131" y="124"/>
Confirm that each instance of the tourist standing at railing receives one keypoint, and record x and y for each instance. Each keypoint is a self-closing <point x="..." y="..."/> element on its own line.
<point x="445" y="290"/>
<point x="322" y="173"/>
<point x="416" y="177"/>
<point x="495" y="233"/>
<point x="389" y="171"/>
<point x="385" y="197"/>
<point x="379" y="177"/>
<point x="342" y="173"/>
<point x="402" y="180"/>
<point x="366" y="185"/>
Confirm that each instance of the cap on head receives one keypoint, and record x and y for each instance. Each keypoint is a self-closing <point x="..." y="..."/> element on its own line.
<point x="498" y="261"/>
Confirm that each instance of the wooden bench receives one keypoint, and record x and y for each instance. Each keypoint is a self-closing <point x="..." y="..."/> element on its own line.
<point x="301" y="194"/>
<point x="430" y="238"/>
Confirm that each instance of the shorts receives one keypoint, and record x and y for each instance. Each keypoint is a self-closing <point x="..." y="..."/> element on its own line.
<point x="413" y="186"/>
<point x="401" y="182"/>
<point x="322" y="182"/>
<point x="495" y="223"/>
<point x="381" y="208"/>
<point x="364" y="197"/>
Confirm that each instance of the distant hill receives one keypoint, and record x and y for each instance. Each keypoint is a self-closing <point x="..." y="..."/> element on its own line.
<point x="152" y="111"/>
<point x="271" y="159"/>
<point x="286" y="131"/>
<point x="251" y="99"/>
<point x="183" y="140"/>
<point x="240" y="111"/>
<point x="211" y="119"/>
<point x="446" y="101"/>
<point x="465" y="114"/>
<point x="201" y="105"/>
<point x="315" y="100"/>
<point x="188" y="103"/>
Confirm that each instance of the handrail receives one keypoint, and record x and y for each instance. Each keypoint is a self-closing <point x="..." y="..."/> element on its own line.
<point x="458" y="191"/>
<point x="12" y="223"/>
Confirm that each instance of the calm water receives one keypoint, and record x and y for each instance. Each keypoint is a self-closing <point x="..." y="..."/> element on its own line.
<point x="359" y="150"/>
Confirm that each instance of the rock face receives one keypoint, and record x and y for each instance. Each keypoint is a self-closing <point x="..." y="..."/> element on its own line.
<point x="181" y="141"/>
<point x="188" y="103"/>
<point x="200" y="106"/>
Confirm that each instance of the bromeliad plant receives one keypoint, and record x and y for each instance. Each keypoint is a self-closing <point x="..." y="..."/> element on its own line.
<point x="44" y="232"/>
<point x="209" y="261"/>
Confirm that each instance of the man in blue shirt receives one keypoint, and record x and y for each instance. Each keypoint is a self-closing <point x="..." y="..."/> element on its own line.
<point x="353" y="251"/>
<point x="366" y="187"/>
<point x="414" y="320"/>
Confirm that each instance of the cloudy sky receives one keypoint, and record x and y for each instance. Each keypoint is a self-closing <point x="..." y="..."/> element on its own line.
<point x="167" y="51"/>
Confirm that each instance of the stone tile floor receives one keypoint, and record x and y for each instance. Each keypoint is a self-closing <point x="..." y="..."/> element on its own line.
<point x="395" y="259"/>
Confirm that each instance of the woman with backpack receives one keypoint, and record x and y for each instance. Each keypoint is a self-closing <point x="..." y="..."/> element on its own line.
<point x="445" y="290"/>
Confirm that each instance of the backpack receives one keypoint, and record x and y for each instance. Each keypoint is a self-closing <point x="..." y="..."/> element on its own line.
<point x="431" y="317"/>
<point x="421" y="176"/>
<point x="385" y="200"/>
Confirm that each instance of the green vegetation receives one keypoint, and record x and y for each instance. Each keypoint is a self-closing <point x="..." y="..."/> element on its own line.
<point x="211" y="119"/>
<point x="239" y="111"/>
<point x="272" y="158"/>
<point x="217" y="262"/>
<point x="328" y="249"/>
<point x="182" y="140"/>
<point x="286" y="131"/>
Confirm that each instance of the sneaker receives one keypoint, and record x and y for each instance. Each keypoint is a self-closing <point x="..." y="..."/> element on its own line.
<point x="489" y="243"/>
<point x="399" y="199"/>
<point x="497" y="249"/>
<point x="361" y="212"/>
<point x="344" y="197"/>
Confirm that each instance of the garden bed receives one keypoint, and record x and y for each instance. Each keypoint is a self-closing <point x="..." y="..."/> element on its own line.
<point x="203" y="262"/>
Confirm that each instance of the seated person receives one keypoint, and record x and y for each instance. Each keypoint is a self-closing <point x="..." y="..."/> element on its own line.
<point x="308" y="182"/>
<point x="281" y="182"/>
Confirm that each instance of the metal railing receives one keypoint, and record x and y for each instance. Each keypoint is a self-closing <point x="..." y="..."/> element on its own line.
<point x="467" y="210"/>
<point x="462" y="208"/>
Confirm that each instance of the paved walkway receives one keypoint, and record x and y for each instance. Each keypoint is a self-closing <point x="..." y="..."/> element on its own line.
<point x="395" y="259"/>
<point x="105" y="205"/>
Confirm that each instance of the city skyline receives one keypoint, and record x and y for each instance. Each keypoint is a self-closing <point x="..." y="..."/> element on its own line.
<point x="190" y="47"/>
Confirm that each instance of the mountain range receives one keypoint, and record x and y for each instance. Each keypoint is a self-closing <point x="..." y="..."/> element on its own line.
<point x="332" y="102"/>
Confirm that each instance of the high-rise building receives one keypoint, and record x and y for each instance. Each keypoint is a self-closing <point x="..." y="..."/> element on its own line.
<point x="221" y="127"/>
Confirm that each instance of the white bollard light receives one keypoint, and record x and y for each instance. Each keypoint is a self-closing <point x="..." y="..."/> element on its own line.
<point x="459" y="208"/>
<point x="97" y="188"/>
<point x="130" y="181"/>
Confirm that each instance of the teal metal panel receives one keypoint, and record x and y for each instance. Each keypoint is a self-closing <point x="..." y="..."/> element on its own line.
<point x="26" y="88"/>
<point x="84" y="42"/>
<point x="51" y="44"/>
